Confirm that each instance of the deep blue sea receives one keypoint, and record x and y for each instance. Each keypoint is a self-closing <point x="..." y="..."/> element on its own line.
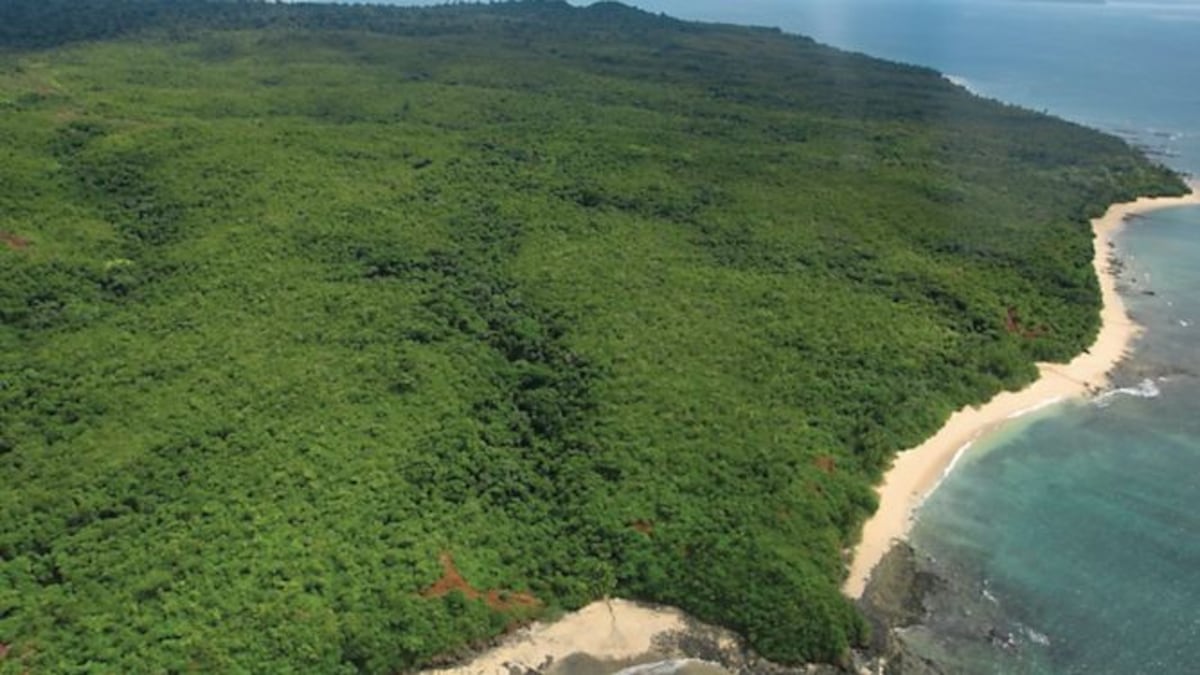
<point x="1071" y="539"/>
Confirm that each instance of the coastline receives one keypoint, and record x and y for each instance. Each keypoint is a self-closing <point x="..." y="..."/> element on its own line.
<point x="616" y="634"/>
<point x="611" y="634"/>
<point x="916" y="472"/>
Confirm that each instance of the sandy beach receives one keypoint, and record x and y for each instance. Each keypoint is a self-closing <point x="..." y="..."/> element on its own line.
<point x="622" y="633"/>
<point x="916" y="472"/>
<point x="619" y="632"/>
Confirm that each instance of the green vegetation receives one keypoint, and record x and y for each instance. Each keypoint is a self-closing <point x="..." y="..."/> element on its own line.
<point x="297" y="299"/>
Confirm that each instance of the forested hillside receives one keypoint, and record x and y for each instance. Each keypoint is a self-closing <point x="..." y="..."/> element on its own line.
<point x="339" y="338"/>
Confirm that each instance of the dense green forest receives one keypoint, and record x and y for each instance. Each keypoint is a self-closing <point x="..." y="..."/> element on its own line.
<point x="306" y="311"/>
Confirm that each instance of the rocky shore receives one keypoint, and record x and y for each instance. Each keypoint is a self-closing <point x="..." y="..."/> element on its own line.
<point x="894" y="601"/>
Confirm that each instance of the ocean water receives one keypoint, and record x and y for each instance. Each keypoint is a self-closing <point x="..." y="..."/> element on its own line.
<point x="1069" y="542"/>
<point x="1130" y="67"/>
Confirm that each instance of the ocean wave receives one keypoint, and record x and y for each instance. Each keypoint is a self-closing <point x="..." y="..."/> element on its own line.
<point x="1035" y="636"/>
<point x="1147" y="388"/>
<point x="989" y="596"/>
<point x="961" y="82"/>
<point x="914" y="514"/>
<point x="1034" y="408"/>
<point x="957" y="456"/>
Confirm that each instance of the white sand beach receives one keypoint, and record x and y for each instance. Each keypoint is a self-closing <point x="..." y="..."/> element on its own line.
<point x="619" y="629"/>
<point x="613" y="630"/>
<point x="916" y="472"/>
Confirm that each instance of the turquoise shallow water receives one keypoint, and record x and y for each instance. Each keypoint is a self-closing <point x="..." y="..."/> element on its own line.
<point x="1078" y="534"/>
<point x="1070" y="542"/>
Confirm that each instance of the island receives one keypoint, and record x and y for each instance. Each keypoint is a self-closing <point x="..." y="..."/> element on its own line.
<point x="348" y="338"/>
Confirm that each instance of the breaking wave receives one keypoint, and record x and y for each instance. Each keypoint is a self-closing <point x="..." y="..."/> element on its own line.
<point x="1145" y="389"/>
<point x="961" y="82"/>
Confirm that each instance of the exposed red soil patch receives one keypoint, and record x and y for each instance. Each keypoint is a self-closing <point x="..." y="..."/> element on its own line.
<point x="826" y="464"/>
<point x="643" y="526"/>
<point x="13" y="241"/>
<point x="3" y="650"/>
<point x="1012" y="324"/>
<point x="452" y="580"/>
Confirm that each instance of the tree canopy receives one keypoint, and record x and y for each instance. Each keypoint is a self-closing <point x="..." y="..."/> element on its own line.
<point x="340" y="338"/>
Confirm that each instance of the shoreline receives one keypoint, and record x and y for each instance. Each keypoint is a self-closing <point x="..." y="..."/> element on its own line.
<point x="611" y="634"/>
<point x="918" y="471"/>
<point x="615" y="633"/>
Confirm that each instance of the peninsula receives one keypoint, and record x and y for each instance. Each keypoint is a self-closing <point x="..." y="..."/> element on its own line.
<point x="348" y="338"/>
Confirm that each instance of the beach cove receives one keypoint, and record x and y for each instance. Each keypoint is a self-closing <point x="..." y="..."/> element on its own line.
<point x="1144" y="115"/>
<point x="357" y="339"/>
<point x="622" y="634"/>
<point x="916" y="472"/>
